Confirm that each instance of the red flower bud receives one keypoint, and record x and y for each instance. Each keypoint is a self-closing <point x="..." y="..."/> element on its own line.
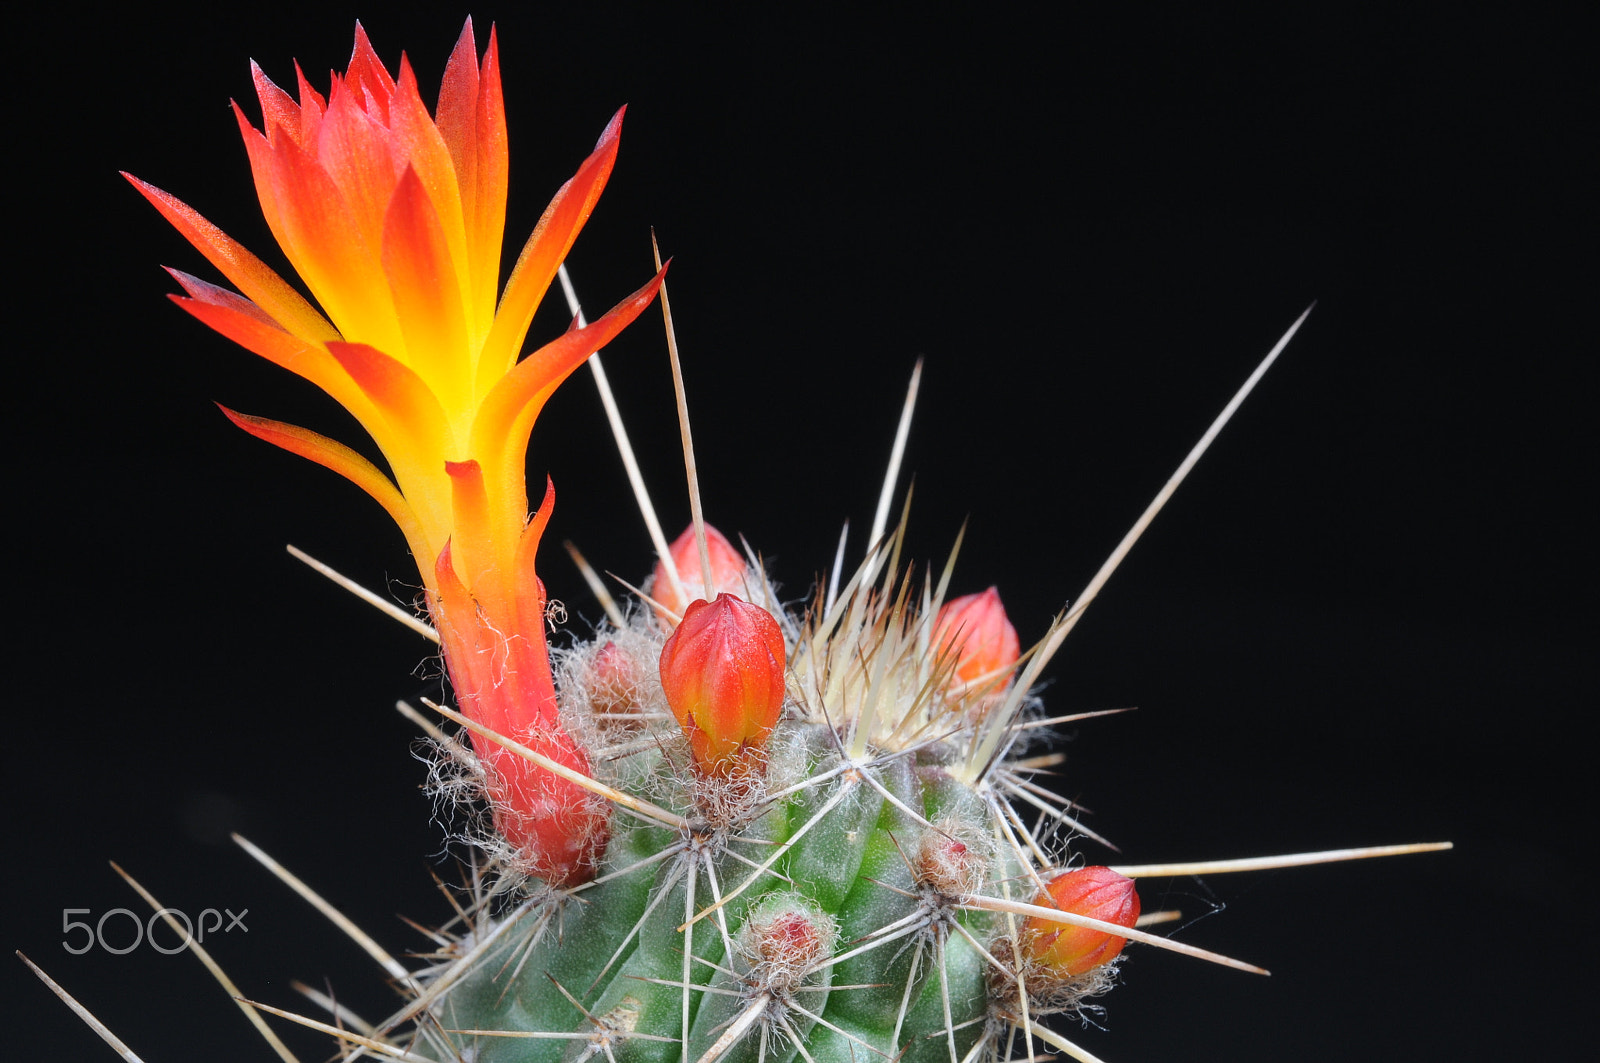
<point x="613" y="686"/>
<point x="984" y="641"/>
<point x="728" y="570"/>
<point x="722" y="671"/>
<point x="1097" y="892"/>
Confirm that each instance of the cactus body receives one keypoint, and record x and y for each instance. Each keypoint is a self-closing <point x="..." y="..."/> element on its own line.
<point x="817" y="856"/>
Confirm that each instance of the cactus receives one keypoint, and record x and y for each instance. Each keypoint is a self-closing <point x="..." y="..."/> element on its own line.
<point x="724" y="827"/>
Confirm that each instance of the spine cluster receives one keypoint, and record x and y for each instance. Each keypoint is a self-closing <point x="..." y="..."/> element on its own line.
<point x="775" y="896"/>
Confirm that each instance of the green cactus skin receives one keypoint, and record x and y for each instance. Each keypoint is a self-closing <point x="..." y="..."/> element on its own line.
<point x="856" y="865"/>
<point x="842" y="935"/>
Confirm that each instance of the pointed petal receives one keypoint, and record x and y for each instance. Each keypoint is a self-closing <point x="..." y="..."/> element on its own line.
<point x="458" y="104"/>
<point x="418" y="139"/>
<point x="427" y="296"/>
<point x="472" y="536"/>
<point x="399" y="393"/>
<point x="221" y="311"/>
<point x="471" y="120"/>
<point x="310" y="98"/>
<point x="458" y="127"/>
<point x="486" y="221"/>
<point x="474" y="638"/>
<point x="263" y="166"/>
<point x="342" y="460"/>
<point x="207" y="292"/>
<point x="506" y="415"/>
<point x="312" y="108"/>
<point x="367" y="76"/>
<point x="545" y="250"/>
<point x="318" y="232"/>
<point x="530" y="589"/>
<point x="458" y="112"/>
<point x="357" y="153"/>
<point x="280" y="115"/>
<point x="252" y="276"/>
<point x="455" y="614"/>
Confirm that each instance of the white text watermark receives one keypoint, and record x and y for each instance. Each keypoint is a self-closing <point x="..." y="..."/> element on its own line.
<point x="209" y="921"/>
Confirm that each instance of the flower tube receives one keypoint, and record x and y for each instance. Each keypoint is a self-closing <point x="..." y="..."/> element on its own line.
<point x="394" y="220"/>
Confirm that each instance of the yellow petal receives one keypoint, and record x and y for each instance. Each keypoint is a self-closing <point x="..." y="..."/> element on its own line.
<point x="427" y="297"/>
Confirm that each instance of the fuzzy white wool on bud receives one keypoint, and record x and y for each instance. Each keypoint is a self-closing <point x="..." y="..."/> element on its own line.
<point x="950" y="860"/>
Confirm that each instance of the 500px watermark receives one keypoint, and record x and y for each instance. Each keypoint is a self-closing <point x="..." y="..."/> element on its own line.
<point x="95" y="934"/>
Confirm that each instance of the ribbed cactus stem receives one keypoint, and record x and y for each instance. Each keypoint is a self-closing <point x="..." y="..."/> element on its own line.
<point x="847" y="943"/>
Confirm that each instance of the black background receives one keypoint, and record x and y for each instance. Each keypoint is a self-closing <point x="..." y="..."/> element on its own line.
<point x="1359" y="622"/>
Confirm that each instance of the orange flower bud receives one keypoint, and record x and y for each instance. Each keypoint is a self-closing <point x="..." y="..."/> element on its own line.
<point x="728" y="570"/>
<point x="1096" y="892"/>
<point x="722" y="671"/>
<point x="984" y="641"/>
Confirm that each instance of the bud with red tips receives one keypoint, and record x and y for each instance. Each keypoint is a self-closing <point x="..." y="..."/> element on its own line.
<point x="975" y="628"/>
<point x="728" y="569"/>
<point x="1096" y="892"/>
<point x="951" y="860"/>
<point x="785" y="936"/>
<point x="723" y="674"/>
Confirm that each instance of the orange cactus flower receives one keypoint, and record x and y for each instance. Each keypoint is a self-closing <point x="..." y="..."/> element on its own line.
<point x="1096" y="892"/>
<point x="394" y="221"/>
<point x="984" y="641"/>
<point x="723" y="674"/>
